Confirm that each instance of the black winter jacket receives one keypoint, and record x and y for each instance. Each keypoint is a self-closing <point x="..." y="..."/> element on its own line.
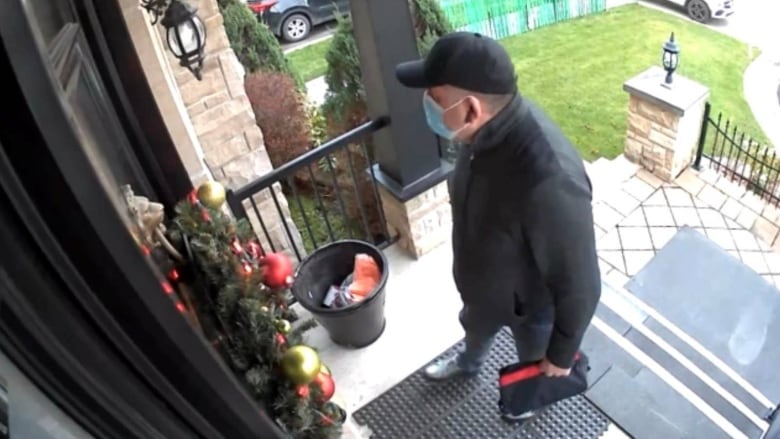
<point x="523" y="234"/>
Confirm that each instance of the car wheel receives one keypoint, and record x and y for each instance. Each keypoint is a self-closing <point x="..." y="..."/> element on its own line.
<point x="296" y="27"/>
<point x="699" y="11"/>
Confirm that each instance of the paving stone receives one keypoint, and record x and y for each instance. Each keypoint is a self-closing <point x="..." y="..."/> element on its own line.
<point x="638" y="188"/>
<point x="657" y="199"/>
<point x="598" y="232"/>
<point x="678" y="197"/>
<point x="731" y="208"/>
<point x="747" y="218"/>
<point x="765" y="230"/>
<point x="614" y="258"/>
<point x="690" y="182"/>
<point x="730" y="188"/>
<point x="649" y="178"/>
<point x="731" y="224"/>
<point x="756" y="261"/>
<point x="635" y="218"/>
<point x="605" y="216"/>
<point x="686" y="216"/>
<point x="722" y="237"/>
<point x="712" y="219"/>
<point x="709" y="176"/>
<point x="635" y="238"/>
<point x="773" y="261"/>
<point x="736" y="254"/>
<point x="617" y="278"/>
<point x="622" y="202"/>
<point x="713" y="197"/>
<point x="745" y="240"/>
<point x="610" y="241"/>
<point x="753" y="202"/>
<point x="659" y="216"/>
<point x="636" y="260"/>
<point x="769" y="278"/>
<point x="662" y="235"/>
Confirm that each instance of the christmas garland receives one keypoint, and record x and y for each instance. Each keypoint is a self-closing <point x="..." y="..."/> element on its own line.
<point x="249" y="293"/>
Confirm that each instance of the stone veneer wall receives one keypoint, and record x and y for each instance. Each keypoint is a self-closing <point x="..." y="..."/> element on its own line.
<point x="224" y="122"/>
<point x="422" y="223"/>
<point x="655" y="135"/>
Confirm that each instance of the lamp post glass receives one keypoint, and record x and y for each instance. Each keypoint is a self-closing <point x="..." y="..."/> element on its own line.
<point x="186" y="35"/>
<point x="671" y="58"/>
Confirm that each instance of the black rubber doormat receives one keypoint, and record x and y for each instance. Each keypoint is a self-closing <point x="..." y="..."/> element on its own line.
<point x="468" y="408"/>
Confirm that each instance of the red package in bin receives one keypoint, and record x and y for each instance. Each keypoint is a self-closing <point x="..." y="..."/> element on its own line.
<point x="365" y="277"/>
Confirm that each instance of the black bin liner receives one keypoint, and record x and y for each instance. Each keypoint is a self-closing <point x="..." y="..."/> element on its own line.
<point x="357" y="325"/>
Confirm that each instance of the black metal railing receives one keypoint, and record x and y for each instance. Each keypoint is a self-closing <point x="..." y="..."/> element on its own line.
<point x="330" y="192"/>
<point x="738" y="157"/>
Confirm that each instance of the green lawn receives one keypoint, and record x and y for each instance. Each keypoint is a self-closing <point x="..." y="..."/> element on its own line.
<point x="576" y="70"/>
<point x="310" y="60"/>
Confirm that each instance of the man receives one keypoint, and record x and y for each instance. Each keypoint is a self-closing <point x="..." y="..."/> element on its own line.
<point x="523" y="240"/>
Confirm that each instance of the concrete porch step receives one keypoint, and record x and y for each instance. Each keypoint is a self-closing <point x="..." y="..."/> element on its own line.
<point x="607" y="176"/>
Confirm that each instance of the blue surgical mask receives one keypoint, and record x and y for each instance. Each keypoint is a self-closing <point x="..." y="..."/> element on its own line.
<point x="434" y="115"/>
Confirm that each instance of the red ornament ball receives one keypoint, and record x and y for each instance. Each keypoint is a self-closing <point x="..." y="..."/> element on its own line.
<point x="303" y="391"/>
<point x="277" y="270"/>
<point x="326" y="385"/>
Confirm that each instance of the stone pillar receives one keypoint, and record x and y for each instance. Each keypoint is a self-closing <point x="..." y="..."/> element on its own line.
<point x="422" y="222"/>
<point x="224" y="125"/>
<point x="664" y="122"/>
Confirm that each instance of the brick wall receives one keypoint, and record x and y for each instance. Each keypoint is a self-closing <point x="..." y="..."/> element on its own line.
<point x="224" y="123"/>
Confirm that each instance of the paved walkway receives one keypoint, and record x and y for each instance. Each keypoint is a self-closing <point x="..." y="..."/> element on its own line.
<point x="636" y="221"/>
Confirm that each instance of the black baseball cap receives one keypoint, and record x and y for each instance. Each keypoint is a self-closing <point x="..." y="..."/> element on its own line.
<point x="465" y="60"/>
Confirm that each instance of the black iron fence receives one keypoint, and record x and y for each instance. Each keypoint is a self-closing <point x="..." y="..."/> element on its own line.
<point x="738" y="157"/>
<point x="324" y="195"/>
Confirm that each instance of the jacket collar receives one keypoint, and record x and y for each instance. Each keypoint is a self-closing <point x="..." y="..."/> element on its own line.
<point x="495" y="131"/>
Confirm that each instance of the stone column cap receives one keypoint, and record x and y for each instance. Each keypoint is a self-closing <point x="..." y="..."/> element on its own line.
<point x="683" y="93"/>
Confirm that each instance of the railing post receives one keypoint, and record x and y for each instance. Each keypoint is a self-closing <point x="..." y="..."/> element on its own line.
<point x="235" y="205"/>
<point x="705" y="123"/>
<point x="407" y="154"/>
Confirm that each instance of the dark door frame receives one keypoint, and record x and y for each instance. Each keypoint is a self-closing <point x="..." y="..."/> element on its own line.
<point x="159" y="378"/>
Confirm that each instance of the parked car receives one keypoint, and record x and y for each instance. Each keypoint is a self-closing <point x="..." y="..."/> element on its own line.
<point x="705" y="10"/>
<point x="293" y="20"/>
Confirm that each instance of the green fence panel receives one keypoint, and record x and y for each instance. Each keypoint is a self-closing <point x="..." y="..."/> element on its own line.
<point x="503" y="18"/>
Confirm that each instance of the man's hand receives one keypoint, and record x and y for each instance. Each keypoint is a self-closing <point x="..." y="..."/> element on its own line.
<point x="551" y="370"/>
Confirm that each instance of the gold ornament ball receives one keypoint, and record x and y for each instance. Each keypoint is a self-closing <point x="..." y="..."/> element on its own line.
<point x="324" y="369"/>
<point x="212" y="194"/>
<point x="301" y="364"/>
<point x="283" y="326"/>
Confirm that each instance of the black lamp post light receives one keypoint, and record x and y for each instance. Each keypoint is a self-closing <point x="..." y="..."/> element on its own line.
<point x="185" y="32"/>
<point x="671" y="58"/>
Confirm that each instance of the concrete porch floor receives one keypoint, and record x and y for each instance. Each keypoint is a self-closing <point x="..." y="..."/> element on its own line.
<point x="634" y="217"/>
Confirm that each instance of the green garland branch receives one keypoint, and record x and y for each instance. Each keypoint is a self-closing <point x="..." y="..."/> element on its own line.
<point x="257" y="336"/>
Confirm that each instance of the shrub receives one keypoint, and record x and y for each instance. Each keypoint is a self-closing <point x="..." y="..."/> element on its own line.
<point x="281" y="114"/>
<point x="345" y="101"/>
<point x="255" y="45"/>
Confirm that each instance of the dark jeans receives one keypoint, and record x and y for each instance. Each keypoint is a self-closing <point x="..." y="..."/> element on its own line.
<point x="531" y="335"/>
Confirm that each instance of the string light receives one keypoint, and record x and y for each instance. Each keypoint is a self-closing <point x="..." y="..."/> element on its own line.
<point x="180" y="307"/>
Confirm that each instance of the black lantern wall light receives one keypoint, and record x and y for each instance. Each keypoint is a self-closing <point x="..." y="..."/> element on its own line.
<point x="185" y="33"/>
<point x="671" y="58"/>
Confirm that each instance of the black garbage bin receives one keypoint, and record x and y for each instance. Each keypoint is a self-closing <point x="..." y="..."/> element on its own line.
<point x="357" y="325"/>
